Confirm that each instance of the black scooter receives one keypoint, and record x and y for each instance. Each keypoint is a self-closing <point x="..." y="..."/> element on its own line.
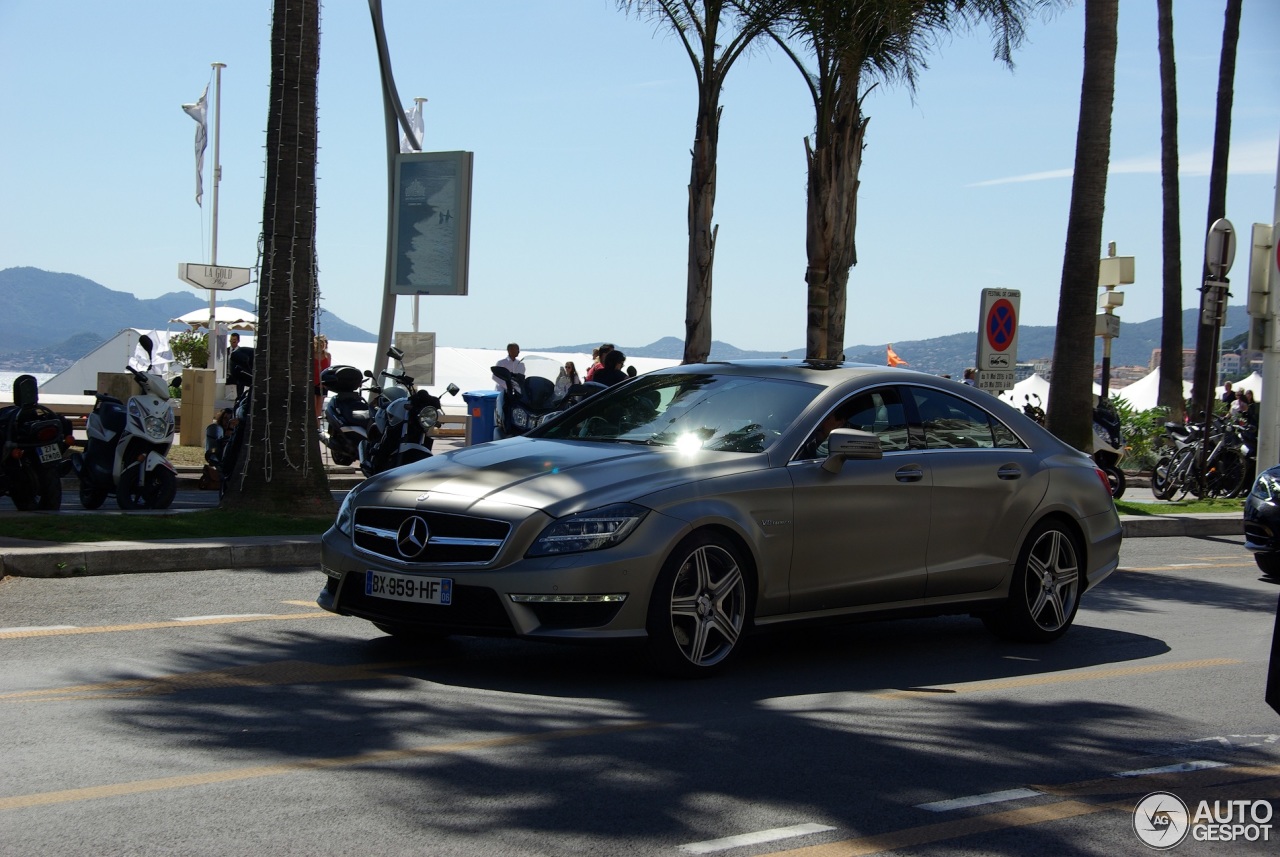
<point x="33" y="457"/>
<point x="529" y="401"/>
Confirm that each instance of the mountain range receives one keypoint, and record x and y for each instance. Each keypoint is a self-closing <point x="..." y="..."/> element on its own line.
<point x="51" y="320"/>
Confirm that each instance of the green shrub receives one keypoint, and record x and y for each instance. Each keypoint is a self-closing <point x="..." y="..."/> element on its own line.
<point x="191" y="349"/>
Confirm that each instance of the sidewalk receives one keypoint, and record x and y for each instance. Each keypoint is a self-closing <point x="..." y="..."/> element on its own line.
<point x="22" y="558"/>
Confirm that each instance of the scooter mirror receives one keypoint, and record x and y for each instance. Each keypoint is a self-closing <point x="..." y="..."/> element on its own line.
<point x="368" y="374"/>
<point x="395" y="353"/>
<point x="452" y="389"/>
<point x="146" y="343"/>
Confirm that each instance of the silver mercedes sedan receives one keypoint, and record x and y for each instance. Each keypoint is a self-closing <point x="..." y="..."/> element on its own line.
<point x="690" y="506"/>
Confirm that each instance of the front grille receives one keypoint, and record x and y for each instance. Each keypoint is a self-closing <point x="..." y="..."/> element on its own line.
<point x="475" y="609"/>
<point x="448" y="538"/>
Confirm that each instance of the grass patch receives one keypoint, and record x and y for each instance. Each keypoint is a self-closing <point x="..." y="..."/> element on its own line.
<point x="1181" y="507"/>
<point x="205" y="524"/>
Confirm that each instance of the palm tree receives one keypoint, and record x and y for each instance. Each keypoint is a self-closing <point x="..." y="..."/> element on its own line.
<point x="856" y="45"/>
<point x="1071" y="397"/>
<point x="1170" y="395"/>
<point x="1207" y="335"/>
<point x="281" y="466"/>
<point x="697" y="23"/>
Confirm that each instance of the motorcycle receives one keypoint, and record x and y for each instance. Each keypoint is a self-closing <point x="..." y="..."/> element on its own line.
<point x="33" y="458"/>
<point x="128" y="444"/>
<point x="530" y="400"/>
<point x="346" y="413"/>
<point x="1108" y="445"/>
<point x="399" y="431"/>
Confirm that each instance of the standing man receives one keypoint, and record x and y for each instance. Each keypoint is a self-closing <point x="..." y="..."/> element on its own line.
<point x="511" y="364"/>
<point x="239" y="366"/>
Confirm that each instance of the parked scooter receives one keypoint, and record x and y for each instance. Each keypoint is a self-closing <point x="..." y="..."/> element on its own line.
<point x="33" y="458"/>
<point x="1108" y="445"/>
<point x="399" y="431"/>
<point x="346" y="413"/>
<point x="127" y="446"/>
<point x="531" y="400"/>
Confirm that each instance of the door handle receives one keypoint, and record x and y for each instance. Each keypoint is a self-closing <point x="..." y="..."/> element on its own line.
<point x="909" y="473"/>
<point x="1009" y="471"/>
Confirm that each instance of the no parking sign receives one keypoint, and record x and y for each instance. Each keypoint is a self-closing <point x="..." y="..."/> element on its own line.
<point x="998" y="338"/>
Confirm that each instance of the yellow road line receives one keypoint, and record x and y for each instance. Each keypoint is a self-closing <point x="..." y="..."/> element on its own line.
<point x="1051" y="678"/>
<point x="151" y="626"/>
<point x="261" y="771"/>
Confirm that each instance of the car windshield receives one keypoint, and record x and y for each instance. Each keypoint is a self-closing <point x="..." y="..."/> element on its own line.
<point x="730" y="413"/>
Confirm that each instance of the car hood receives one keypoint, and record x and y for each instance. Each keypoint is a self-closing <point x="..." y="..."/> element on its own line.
<point x="558" y="476"/>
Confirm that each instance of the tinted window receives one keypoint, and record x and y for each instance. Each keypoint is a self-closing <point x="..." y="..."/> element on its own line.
<point x="877" y="411"/>
<point x="731" y="413"/>
<point x="950" y="422"/>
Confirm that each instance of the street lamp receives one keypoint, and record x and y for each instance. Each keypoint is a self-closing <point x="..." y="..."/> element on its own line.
<point x="1113" y="271"/>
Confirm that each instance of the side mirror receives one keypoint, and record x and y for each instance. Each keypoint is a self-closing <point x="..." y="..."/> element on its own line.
<point x="368" y="374"/>
<point x="843" y="444"/>
<point x="501" y="372"/>
<point x="452" y="389"/>
<point x="395" y="353"/>
<point x="147" y="345"/>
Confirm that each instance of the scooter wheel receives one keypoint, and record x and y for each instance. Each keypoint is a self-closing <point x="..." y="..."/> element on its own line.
<point x="157" y="490"/>
<point x="91" y="498"/>
<point x="1115" y="476"/>
<point x="50" y="499"/>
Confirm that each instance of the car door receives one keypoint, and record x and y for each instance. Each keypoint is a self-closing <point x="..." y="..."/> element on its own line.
<point x="986" y="483"/>
<point x="860" y="534"/>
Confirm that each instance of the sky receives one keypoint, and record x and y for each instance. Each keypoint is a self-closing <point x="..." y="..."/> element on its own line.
<point x="581" y="120"/>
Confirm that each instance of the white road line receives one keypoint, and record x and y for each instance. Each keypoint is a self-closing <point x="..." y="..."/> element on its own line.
<point x="1172" y="769"/>
<point x="773" y="835"/>
<point x="977" y="800"/>
<point x="220" y="616"/>
<point x="26" y="628"/>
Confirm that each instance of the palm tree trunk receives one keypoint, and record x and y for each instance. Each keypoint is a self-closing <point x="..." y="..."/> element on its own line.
<point x="702" y="233"/>
<point x="281" y="467"/>
<point x="1207" y="335"/>
<point x="1170" y="394"/>
<point x="1071" y="398"/>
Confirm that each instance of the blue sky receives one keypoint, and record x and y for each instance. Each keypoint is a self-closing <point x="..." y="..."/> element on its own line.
<point x="581" y="120"/>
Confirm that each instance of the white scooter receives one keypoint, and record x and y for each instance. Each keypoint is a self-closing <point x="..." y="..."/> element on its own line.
<point x="127" y="446"/>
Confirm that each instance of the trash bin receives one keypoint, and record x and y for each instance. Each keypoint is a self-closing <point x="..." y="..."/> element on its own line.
<point x="482" y="407"/>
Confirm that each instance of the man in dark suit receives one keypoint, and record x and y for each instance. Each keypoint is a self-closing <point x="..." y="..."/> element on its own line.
<point x="239" y="366"/>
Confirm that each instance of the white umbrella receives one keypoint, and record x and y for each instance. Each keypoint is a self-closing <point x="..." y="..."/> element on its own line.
<point x="231" y="317"/>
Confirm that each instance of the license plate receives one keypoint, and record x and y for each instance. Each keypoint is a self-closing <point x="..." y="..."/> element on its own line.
<point x="49" y="453"/>
<point x="407" y="587"/>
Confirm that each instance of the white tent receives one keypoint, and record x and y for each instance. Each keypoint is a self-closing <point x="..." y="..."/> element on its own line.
<point x="1034" y="386"/>
<point x="233" y="318"/>
<point x="1143" y="393"/>
<point x="1253" y="382"/>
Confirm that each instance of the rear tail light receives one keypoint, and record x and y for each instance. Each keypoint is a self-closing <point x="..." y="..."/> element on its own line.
<point x="48" y="434"/>
<point x="1106" y="483"/>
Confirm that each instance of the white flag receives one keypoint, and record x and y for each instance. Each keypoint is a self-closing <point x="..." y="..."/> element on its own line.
<point x="198" y="112"/>
<point x="415" y="122"/>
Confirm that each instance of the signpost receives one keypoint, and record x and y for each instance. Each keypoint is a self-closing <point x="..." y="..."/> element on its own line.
<point x="998" y="339"/>
<point x="214" y="277"/>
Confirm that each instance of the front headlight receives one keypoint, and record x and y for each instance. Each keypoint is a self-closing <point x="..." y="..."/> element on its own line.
<point x="157" y="427"/>
<point x="589" y="531"/>
<point x="520" y="417"/>
<point x="428" y="417"/>
<point x="1267" y="488"/>
<point x="346" y="514"/>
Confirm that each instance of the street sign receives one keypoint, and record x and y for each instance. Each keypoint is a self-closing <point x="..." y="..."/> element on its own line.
<point x="1106" y="324"/>
<point x="998" y="332"/>
<point x="1220" y="247"/>
<point x="216" y="277"/>
<point x="995" y="381"/>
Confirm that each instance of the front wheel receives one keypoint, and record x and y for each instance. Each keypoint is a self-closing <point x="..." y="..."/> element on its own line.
<point x="1045" y="592"/>
<point x="699" y="607"/>
<point x="1268" y="563"/>
<point x="90" y="497"/>
<point x="1161" y="483"/>
<point x="155" y="490"/>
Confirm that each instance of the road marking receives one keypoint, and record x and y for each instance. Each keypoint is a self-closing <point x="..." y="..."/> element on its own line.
<point x="59" y="630"/>
<point x="199" y="619"/>
<point x="773" y="835"/>
<point x="977" y="800"/>
<point x="29" y="628"/>
<point x="160" y="784"/>
<point x="1047" y="679"/>
<point x="255" y="675"/>
<point x="1173" y="769"/>
<point x="1242" y="563"/>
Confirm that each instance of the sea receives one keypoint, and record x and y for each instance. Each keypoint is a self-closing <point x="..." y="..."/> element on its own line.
<point x="6" y="380"/>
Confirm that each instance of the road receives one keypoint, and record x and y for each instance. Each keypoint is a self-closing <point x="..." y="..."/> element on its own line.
<point x="220" y="713"/>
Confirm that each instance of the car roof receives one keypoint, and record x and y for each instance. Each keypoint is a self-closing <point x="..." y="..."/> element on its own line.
<point x="828" y="373"/>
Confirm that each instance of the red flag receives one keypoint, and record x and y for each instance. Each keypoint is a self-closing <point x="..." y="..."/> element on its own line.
<point x="894" y="359"/>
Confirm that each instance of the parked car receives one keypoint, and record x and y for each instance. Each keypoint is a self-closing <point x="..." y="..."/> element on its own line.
<point x="1262" y="521"/>
<point x="691" y="505"/>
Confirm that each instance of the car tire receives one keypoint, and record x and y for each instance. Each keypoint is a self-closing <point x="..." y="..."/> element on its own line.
<point x="700" y="607"/>
<point x="91" y="498"/>
<point x="1045" y="592"/>
<point x="1268" y="563"/>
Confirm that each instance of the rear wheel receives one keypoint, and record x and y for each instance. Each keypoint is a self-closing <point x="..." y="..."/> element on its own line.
<point x="50" y="499"/>
<point x="1161" y="484"/>
<point x="1115" y="478"/>
<point x="1045" y="592"/>
<point x="90" y="497"/>
<point x="699" y="607"/>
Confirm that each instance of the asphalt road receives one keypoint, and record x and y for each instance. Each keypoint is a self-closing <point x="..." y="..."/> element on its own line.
<point x="220" y="713"/>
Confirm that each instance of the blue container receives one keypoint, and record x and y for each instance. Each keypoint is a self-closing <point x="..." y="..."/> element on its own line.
<point x="482" y="408"/>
